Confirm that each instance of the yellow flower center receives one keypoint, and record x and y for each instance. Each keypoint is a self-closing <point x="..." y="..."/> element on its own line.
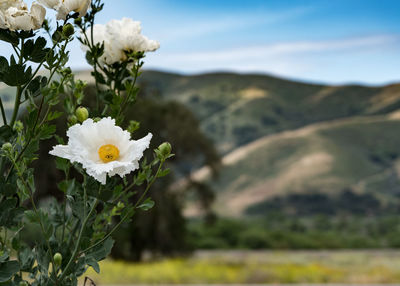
<point x="108" y="153"/>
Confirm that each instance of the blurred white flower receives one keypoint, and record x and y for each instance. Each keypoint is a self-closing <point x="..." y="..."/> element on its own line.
<point x="64" y="7"/>
<point x="102" y="148"/>
<point x="121" y="37"/>
<point x="22" y="19"/>
<point x="14" y="15"/>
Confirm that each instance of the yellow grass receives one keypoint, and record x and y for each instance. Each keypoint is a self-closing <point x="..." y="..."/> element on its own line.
<point x="287" y="267"/>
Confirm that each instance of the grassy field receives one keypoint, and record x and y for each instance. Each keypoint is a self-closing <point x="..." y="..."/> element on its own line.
<point x="247" y="267"/>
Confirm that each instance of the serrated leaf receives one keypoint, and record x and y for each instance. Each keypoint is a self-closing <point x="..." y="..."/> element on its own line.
<point x="163" y="173"/>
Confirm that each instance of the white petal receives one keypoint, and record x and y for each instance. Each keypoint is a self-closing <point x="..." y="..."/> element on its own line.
<point x="85" y="140"/>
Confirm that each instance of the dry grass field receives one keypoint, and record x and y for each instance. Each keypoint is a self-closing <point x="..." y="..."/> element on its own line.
<point x="258" y="267"/>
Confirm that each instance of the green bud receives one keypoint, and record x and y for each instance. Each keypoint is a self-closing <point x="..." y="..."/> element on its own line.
<point x="96" y="119"/>
<point x="7" y="146"/>
<point x="133" y="126"/>
<point x="78" y="21"/>
<point x="57" y="259"/>
<point x="82" y="114"/>
<point x="72" y="119"/>
<point x="120" y="205"/>
<point x="68" y="30"/>
<point x="18" y="126"/>
<point x="67" y="71"/>
<point x="165" y="149"/>
<point x="23" y="283"/>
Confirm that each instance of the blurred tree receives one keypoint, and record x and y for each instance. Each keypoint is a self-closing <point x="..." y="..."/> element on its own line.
<point x="163" y="229"/>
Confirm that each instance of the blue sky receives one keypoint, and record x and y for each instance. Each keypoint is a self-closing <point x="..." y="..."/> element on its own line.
<point x="334" y="41"/>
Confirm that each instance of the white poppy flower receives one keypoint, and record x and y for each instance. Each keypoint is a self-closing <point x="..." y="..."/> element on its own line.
<point x="112" y="53"/>
<point x="119" y="37"/>
<point x="14" y="15"/>
<point x="64" y="7"/>
<point x="102" y="148"/>
<point x="21" y="19"/>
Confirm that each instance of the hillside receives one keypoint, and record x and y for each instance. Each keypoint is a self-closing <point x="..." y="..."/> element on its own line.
<point x="280" y="137"/>
<point x="236" y="109"/>
<point x="359" y="154"/>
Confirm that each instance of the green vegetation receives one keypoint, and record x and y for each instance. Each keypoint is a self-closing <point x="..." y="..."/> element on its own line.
<point x="293" y="232"/>
<point x="257" y="267"/>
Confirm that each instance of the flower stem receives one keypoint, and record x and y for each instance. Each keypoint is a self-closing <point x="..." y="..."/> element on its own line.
<point x="19" y="90"/>
<point x="127" y="215"/>
<point x="3" y="113"/>
<point x="75" y="253"/>
<point x="26" y="185"/>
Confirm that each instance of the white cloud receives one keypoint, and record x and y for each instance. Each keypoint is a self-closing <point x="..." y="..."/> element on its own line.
<point x="330" y="60"/>
<point x="211" y="24"/>
<point x="286" y="48"/>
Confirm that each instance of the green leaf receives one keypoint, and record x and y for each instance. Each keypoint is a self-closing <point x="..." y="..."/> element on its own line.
<point x="101" y="251"/>
<point x="8" y="269"/>
<point x="94" y="264"/>
<point x="47" y="131"/>
<point x="31" y="216"/>
<point x="163" y="173"/>
<point x="16" y="75"/>
<point x="36" y="51"/>
<point x="147" y="204"/>
<point x="8" y="36"/>
<point x="6" y="133"/>
<point x="3" y="65"/>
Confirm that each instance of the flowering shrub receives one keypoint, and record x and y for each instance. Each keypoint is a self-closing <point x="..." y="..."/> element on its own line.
<point x="76" y="232"/>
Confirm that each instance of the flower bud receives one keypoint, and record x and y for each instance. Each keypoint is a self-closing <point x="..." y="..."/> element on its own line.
<point x="18" y="126"/>
<point x="82" y="114"/>
<point x="7" y="146"/>
<point x="57" y="259"/>
<point x="78" y="21"/>
<point x="165" y="149"/>
<point x="120" y="205"/>
<point x="72" y="119"/>
<point x="68" y="30"/>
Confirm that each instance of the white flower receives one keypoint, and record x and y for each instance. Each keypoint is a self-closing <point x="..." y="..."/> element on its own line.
<point x="22" y="19"/>
<point x="102" y="148"/>
<point x="127" y="34"/>
<point x="14" y="15"/>
<point x="112" y="53"/>
<point x="120" y="37"/>
<point x="64" y="7"/>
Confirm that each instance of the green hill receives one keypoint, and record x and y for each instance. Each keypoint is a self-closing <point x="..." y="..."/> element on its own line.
<point x="281" y="137"/>
<point x="236" y="109"/>
<point x="358" y="154"/>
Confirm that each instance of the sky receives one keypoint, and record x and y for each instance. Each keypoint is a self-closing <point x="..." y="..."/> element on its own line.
<point x="335" y="42"/>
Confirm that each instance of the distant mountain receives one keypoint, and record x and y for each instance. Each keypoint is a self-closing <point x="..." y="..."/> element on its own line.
<point x="281" y="137"/>
<point x="236" y="109"/>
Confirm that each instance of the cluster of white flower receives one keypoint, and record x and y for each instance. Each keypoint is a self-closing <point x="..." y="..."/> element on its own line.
<point x="121" y="37"/>
<point x="15" y="15"/>
<point x="102" y="148"/>
<point x="64" y="7"/>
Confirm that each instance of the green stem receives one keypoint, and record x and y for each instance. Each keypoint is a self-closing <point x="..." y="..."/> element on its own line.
<point x="127" y="215"/>
<point x="26" y="185"/>
<point x="19" y="90"/>
<point x="126" y="99"/>
<point x="16" y="105"/>
<point x="3" y="113"/>
<point x="74" y="254"/>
